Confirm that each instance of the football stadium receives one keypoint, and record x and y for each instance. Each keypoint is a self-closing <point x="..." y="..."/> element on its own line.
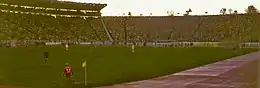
<point x="40" y="37"/>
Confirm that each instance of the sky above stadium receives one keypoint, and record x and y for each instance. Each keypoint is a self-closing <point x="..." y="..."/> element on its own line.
<point x="160" y="7"/>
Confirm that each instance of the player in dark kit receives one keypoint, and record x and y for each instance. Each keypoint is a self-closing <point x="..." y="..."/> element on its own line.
<point x="67" y="71"/>
<point x="46" y="57"/>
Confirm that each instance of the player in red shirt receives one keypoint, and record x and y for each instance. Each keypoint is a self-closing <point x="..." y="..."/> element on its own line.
<point x="67" y="71"/>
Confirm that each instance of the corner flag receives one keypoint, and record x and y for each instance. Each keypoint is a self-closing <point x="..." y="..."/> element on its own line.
<point x="84" y="64"/>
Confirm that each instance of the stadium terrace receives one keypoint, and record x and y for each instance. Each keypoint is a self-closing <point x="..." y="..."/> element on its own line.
<point x="82" y="22"/>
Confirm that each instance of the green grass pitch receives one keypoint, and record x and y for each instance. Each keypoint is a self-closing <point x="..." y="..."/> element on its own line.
<point x="106" y="65"/>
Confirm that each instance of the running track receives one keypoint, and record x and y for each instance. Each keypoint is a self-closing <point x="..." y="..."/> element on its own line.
<point x="237" y="72"/>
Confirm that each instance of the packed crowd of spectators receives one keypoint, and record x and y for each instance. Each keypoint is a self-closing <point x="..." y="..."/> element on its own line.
<point x="212" y="28"/>
<point x="216" y="28"/>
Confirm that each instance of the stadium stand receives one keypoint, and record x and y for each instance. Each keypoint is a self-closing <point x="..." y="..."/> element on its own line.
<point x="57" y="4"/>
<point x="58" y="21"/>
<point x="212" y="28"/>
<point x="44" y="23"/>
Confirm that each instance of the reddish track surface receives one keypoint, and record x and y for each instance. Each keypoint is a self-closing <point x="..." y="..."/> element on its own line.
<point x="237" y="72"/>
